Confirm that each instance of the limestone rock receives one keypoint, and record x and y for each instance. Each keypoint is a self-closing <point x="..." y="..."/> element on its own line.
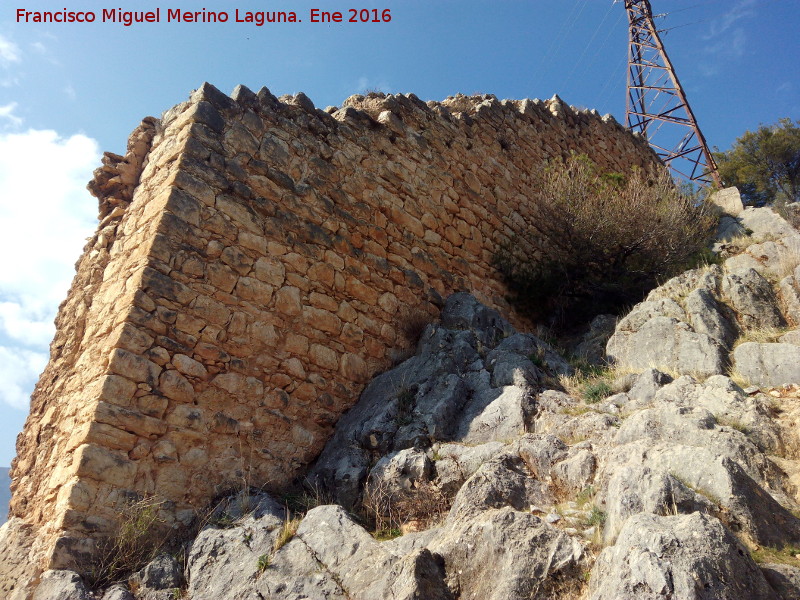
<point x="784" y="579"/>
<point x="637" y="489"/>
<point x="768" y="364"/>
<point x="61" y="585"/>
<point x="766" y="224"/>
<point x="118" y="592"/>
<point x="667" y="343"/>
<point x="684" y="556"/>
<point x="753" y="299"/>
<point x="471" y="381"/>
<point x="592" y="346"/>
<point x="729" y="201"/>
<point x="162" y="573"/>
<point x="223" y="561"/>
<point x="507" y="554"/>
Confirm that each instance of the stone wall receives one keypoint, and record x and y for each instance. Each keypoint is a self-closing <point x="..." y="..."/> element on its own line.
<point x="257" y="260"/>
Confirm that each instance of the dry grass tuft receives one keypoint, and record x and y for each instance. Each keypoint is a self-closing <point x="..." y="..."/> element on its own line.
<point x="139" y="537"/>
<point x="392" y="511"/>
<point x="287" y="532"/>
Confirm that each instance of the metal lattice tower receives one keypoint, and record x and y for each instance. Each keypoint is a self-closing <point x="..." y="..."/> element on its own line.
<point x="657" y="106"/>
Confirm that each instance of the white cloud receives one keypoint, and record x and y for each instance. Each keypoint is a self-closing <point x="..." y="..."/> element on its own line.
<point x="738" y="11"/>
<point x="19" y="370"/>
<point x="46" y="214"/>
<point x="7" y="113"/>
<point x="724" y="40"/>
<point x="9" y="52"/>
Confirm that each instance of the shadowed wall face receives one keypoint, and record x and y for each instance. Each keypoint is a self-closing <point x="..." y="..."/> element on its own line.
<point x="256" y="262"/>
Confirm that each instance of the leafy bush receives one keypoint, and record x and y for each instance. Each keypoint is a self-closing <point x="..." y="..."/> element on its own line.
<point x="598" y="242"/>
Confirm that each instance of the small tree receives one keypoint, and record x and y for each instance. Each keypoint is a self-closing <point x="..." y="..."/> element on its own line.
<point x="764" y="164"/>
<point x="598" y="242"/>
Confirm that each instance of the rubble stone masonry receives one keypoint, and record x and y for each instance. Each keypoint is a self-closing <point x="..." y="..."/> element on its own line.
<point x="257" y="261"/>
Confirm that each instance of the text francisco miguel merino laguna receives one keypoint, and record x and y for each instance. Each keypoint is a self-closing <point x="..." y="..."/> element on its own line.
<point x="177" y="15"/>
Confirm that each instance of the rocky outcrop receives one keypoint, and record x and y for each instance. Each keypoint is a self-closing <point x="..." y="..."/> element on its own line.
<point x="703" y="321"/>
<point x="506" y="488"/>
<point x="682" y="556"/>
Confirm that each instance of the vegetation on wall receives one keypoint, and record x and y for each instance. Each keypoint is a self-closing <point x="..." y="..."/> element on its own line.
<point x="598" y="242"/>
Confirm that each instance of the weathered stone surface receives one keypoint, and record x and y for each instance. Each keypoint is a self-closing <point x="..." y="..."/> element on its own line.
<point x="784" y="579"/>
<point x="706" y="316"/>
<point x="691" y="323"/>
<point x="510" y="554"/>
<point x="666" y="469"/>
<point x="684" y="556"/>
<point x="753" y="299"/>
<point x="118" y="592"/>
<point x="162" y="573"/>
<point x="592" y="347"/>
<point x="728" y="200"/>
<point x="18" y="569"/>
<point x="422" y="401"/>
<point x="768" y="364"/>
<point x="637" y="489"/>
<point x="766" y="224"/>
<point x="666" y="343"/>
<point x="224" y="562"/>
<point x="61" y="585"/>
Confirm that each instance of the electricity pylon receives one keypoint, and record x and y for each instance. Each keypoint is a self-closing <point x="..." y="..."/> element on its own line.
<point x="657" y="106"/>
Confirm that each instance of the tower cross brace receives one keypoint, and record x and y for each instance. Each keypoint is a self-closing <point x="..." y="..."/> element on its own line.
<point x="656" y="103"/>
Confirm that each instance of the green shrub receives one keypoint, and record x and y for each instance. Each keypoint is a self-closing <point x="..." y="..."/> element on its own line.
<point x="598" y="242"/>
<point x="263" y="562"/>
<point x="596" y="391"/>
<point x="596" y="518"/>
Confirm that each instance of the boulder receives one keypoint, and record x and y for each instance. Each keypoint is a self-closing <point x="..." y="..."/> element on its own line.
<point x="639" y="489"/>
<point x="729" y="201"/>
<point x="118" y="591"/>
<point x="502" y="481"/>
<point x="768" y="364"/>
<point x="683" y="557"/>
<point x="766" y="224"/>
<point x="61" y="585"/>
<point x="753" y="299"/>
<point x="162" y="573"/>
<point x="504" y="554"/>
<point x="669" y="344"/>
<point x="472" y="381"/>
<point x="784" y="579"/>
<point x="223" y="560"/>
<point x="332" y="557"/>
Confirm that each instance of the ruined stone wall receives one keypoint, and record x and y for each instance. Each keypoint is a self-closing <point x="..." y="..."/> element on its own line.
<point x="257" y="261"/>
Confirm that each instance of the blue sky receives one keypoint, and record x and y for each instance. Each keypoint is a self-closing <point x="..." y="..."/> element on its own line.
<point x="70" y="91"/>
